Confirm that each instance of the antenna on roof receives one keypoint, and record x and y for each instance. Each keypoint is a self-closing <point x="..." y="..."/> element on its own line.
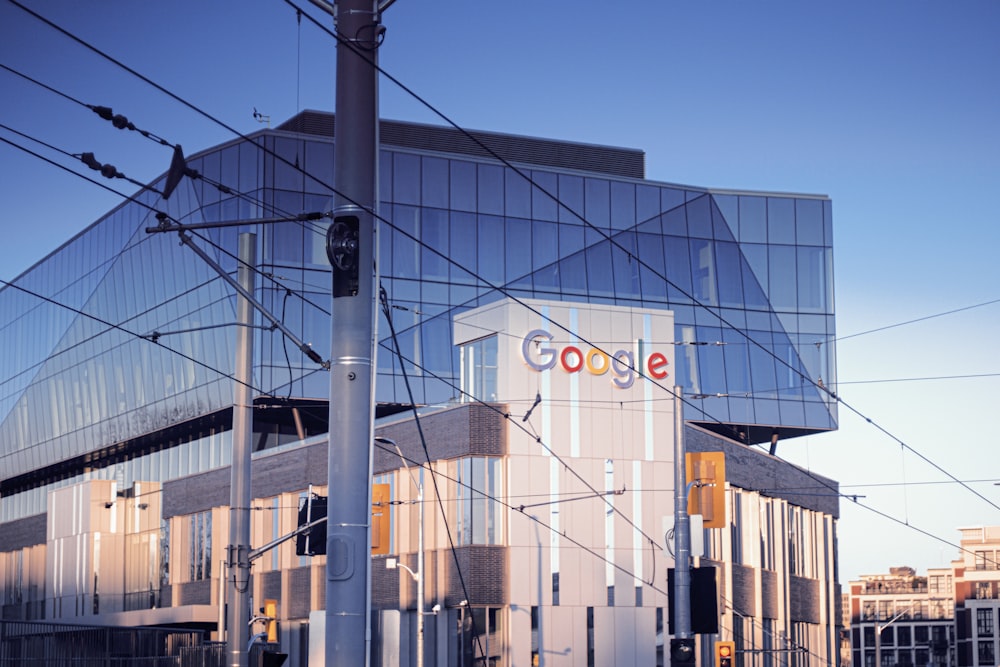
<point x="261" y="118"/>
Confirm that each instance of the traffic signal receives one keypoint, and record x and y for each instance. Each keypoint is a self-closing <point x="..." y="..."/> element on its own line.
<point x="312" y="543"/>
<point x="271" y="612"/>
<point x="343" y="249"/>
<point x="708" y="495"/>
<point x="380" y="519"/>
<point x="724" y="652"/>
<point x="682" y="651"/>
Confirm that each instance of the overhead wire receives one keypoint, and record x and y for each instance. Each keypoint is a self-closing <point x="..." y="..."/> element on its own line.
<point x="608" y="237"/>
<point x="913" y="321"/>
<point x="517" y="508"/>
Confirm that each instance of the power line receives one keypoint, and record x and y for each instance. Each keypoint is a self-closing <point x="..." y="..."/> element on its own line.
<point x="696" y="302"/>
<point x="919" y="319"/>
<point x="922" y="379"/>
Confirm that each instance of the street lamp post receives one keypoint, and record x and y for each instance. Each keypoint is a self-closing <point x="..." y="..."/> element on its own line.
<point x="418" y="576"/>
<point x="878" y="633"/>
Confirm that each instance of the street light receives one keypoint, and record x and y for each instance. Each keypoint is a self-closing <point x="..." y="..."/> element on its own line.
<point x="878" y="632"/>
<point x="418" y="575"/>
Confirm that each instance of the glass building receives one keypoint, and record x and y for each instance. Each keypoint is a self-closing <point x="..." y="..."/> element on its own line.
<point x="117" y="353"/>
<point x="116" y="349"/>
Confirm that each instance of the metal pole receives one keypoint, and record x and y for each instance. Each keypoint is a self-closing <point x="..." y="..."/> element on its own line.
<point x="351" y="248"/>
<point x="420" y="578"/>
<point x="682" y="528"/>
<point x="240" y="492"/>
<point x="878" y="645"/>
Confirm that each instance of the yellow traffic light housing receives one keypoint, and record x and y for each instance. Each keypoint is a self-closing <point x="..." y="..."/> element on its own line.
<point x="724" y="654"/>
<point x="380" y="519"/>
<point x="271" y="612"/>
<point x="708" y="495"/>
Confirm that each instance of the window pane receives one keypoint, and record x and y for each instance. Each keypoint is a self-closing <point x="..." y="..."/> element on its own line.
<point x="406" y="179"/>
<point x="780" y="220"/>
<point x="434" y="182"/>
<point x="490" y="189"/>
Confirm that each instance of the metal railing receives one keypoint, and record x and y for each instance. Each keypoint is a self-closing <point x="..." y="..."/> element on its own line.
<point x="33" y="643"/>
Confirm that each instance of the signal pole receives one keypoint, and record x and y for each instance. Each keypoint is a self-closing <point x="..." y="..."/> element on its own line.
<point x="351" y="248"/>
<point x="682" y="645"/>
<point x="240" y="493"/>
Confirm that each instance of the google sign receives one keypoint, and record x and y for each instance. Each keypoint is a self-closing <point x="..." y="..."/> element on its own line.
<point x="623" y="364"/>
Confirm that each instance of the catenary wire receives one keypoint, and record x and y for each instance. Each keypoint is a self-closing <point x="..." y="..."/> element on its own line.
<point x="913" y="321"/>
<point x="625" y="250"/>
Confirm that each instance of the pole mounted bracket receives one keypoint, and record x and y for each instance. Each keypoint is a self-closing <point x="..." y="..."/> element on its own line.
<point x="343" y="249"/>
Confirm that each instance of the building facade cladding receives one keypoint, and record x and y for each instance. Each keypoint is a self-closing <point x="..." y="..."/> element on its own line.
<point x="750" y="270"/>
<point x="977" y="596"/>
<point x="99" y="409"/>
<point x="913" y="615"/>
<point x="946" y="618"/>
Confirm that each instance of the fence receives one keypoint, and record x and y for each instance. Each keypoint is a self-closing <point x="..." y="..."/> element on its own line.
<point x="34" y="644"/>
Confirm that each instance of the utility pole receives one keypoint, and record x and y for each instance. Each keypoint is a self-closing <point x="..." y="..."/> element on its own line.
<point x="240" y="495"/>
<point x="351" y="249"/>
<point x="682" y="647"/>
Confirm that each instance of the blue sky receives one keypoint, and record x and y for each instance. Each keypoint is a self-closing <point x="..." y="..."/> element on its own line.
<point x="890" y="108"/>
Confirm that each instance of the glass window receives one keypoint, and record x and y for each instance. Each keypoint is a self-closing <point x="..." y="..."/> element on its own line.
<point x="780" y="220"/>
<point x="200" y="545"/>
<point x="703" y="273"/>
<point x="647" y="205"/>
<point x="490" y="189"/>
<point x="622" y="205"/>
<point x="517" y="194"/>
<point x="753" y="219"/>
<point x="463" y="186"/>
<point x="491" y="249"/>
<point x="463" y="248"/>
<point x="599" y="280"/>
<point x="570" y="199"/>
<point x="405" y="248"/>
<point x="434" y="182"/>
<point x="730" y="263"/>
<point x="479" y="520"/>
<point x="406" y="178"/>
<point x="812" y="275"/>
<point x="479" y="369"/>
<point x="699" y="217"/>
<point x="984" y="622"/>
<point x="625" y="265"/>
<point x="518" y="241"/>
<point x="597" y="209"/>
<point x="984" y="590"/>
<point x="674" y="222"/>
<point x="286" y="176"/>
<point x="319" y="166"/>
<point x="781" y="277"/>
<point x="543" y="192"/>
<point x="809" y="221"/>
<point x="544" y="244"/>
<point x="985" y="653"/>
<point x="434" y="237"/>
<point x="652" y="268"/>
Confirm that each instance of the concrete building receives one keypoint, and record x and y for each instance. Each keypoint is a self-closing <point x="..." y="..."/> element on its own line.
<point x="977" y="596"/>
<point x="945" y="618"/>
<point x="903" y="619"/>
<point x="116" y="411"/>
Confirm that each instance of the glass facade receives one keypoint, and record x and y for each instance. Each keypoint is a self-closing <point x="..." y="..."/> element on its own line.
<point x="121" y="334"/>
